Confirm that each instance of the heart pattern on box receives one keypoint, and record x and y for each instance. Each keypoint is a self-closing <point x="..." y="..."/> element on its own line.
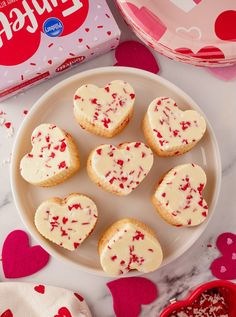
<point x="129" y="294"/>
<point x="67" y="222"/>
<point x="225" y="266"/>
<point x="171" y="131"/>
<point x="53" y="156"/>
<point x="19" y="259"/>
<point x="109" y="109"/>
<point x="179" y="198"/>
<point x="208" y="52"/>
<point x="120" y="169"/>
<point x="126" y="55"/>
<point x="146" y="20"/>
<point x="186" y="5"/>
<point x="225" y="26"/>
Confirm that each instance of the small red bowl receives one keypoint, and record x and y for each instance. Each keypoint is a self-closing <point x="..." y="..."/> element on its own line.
<point x="227" y="289"/>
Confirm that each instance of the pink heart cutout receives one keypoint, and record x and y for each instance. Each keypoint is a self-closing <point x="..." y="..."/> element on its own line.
<point x="130" y="293"/>
<point x="19" y="259"/>
<point x="224" y="267"/>
<point x="127" y="52"/>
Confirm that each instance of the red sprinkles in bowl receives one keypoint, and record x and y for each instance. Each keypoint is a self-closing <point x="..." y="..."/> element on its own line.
<point x="210" y="304"/>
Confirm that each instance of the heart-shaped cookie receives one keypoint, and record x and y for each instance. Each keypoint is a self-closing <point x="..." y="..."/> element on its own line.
<point x="129" y="245"/>
<point x="178" y="197"/>
<point x="67" y="222"/>
<point x="54" y="157"/>
<point x="120" y="169"/>
<point x="104" y="111"/>
<point x="171" y="131"/>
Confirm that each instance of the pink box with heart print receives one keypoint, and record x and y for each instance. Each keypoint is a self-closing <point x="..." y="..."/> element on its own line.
<point x="42" y="38"/>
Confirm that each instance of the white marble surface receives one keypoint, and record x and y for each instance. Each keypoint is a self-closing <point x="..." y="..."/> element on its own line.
<point x="218" y="101"/>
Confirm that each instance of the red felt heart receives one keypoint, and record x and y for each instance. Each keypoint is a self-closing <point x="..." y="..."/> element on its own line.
<point x="227" y="289"/>
<point x="19" y="259"/>
<point x="225" y="26"/>
<point x="225" y="267"/>
<point x="7" y="313"/>
<point x="130" y="293"/>
<point x="40" y="289"/>
<point x="63" y="312"/>
<point x="208" y="52"/>
<point x="134" y="54"/>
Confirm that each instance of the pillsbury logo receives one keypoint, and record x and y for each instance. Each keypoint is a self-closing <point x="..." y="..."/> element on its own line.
<point x="53" y="27"/>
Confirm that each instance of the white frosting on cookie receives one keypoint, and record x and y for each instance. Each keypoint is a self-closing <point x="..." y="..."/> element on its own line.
<point x="131" y="248"/>
<point x="49" y="156"/>
<point x="180" y="195"/>
<point x="173" y="128"/>
<point x="67" y="223"/>
<point x="122" y="168"/>
<point x="107" y="107"/>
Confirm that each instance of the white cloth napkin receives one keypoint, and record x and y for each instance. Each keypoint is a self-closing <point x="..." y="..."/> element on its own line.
<point x="31" y="300"/>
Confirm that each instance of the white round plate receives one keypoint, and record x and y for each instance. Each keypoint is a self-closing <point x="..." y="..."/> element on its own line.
<point x="56" y="106"/>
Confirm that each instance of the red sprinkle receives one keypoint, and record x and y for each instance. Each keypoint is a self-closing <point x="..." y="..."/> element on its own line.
<point x="120" y="162"/>
<point x="132" y="96"/>
<point x="62" y="165"/>
<point x="8" y="125"/>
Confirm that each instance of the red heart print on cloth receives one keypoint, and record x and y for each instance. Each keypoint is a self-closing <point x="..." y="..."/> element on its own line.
<point x="225" y="266"/>
<point x="26" y="21"/>
<point x="137" y="55"/>
<point x="7" y="313"/>
<point x="19" y="259"/>
<point x="40" y="289"/>
<point x="225" y="26"/>
<point x="208" y="52"/>
<point x="130" y="293"/>
<point x="63" y="312"/>
<point x="32" y="300"/>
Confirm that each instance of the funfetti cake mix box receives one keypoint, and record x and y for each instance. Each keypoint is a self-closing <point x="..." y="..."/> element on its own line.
<point x="43" y="38"/>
